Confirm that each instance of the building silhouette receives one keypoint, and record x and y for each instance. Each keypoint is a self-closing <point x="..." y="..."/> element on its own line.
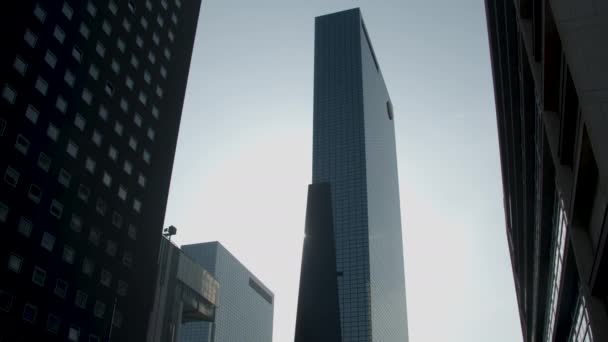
<point x="550" y="68"/>
<point x="92" y="93"/>
<point x="246" y="306"/>
<point x="352" y="286"/>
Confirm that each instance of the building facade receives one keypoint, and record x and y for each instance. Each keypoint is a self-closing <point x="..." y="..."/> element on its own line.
<point x="550" y="68"/>
<point x="92" y="93"/>
<point x="354" y="152"/>
<point x="185" y="292"/>
<point x="245" y="312"/>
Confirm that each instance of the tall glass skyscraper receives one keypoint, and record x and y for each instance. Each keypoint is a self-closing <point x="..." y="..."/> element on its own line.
<point x="355" y="193"/>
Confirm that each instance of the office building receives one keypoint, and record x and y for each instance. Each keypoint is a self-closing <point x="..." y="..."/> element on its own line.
<point x="245" y="310"/>
<point x="185" y="292"/>
<point x="92" y="93"/>
<point x="357" y="271"/>
<point x="550" y="68"/>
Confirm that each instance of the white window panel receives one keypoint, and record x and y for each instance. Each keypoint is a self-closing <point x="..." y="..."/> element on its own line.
<point x="100" y="49"/>
<point x="97" y="138"/>
<point x="91" y="8"/>
<point x="74" y="333"/>
<point x="133" y="143"/>
<point x="122" y="193"/>
<point x="77" y="53"/>
<point x="163" y="72"/>
<point x="124" y="105"/>
<point x="72" y="149"/>
<point x="67" y="11"/>
<point x="118" y="128"/>
<point x="41" y="86"/>
<point x="139" y="41"/>
<point x="121" y="45"/>
<point x="151" y="57"/>
<point x="90" y="165"/>
<point x="115" y="66"/>
<point x="64" y="178"/>
<point x="94" y="72"/>
<point x="126" y="24"/>
<point x="174" y="18"/>
<point x="106" y="27"/>
<point x="61" y="104"/>
<point x="137" y="205"/>
<point x="147" y="76"/>
<point x="144" y="23"/>
<point x="59" y="34"/>
<point x="107" y="179"/>
<point x="113" y="153"/>
<point x="30" y="38"/>
<point x="50" y="59"/>
<point x="103" y="113"/>
<point x="160" y="20"/>
<point x="151" y="134"/>
<point x="84" y="30"/>
<point x="129" y="82"/>
<point x="69" y="78"/>
<point x="137" y="119"/>
<point x="15" y="262"/>
<point x="167" y="53"/>
<point x="80" y="121"/>
<point x="134" y="61"/>
<point x="128" y="167"/>
<point x="10" y="94"/>
<point x="155" y="38"/>
<point x="159" y="91"/>
<point x="52" y="132"/>
<point x="69" y="254"/>
<point x="141" y="180"/>
<point x="32" y="114"/>
<point x="143" y="98"/>
<point x="171" y="35"/>
<point x="39" y="13"/>
<point x="164" y="4"/>
<point x="149" y="5"/>
<point x="113" y="7"/>
<point x="109" y="88"/>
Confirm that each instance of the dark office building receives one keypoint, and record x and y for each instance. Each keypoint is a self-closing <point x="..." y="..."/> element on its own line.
<point x="246" y="306"/>
<point x="550" y="67"/>
<point x="352" y="286"/>
<point x="92" y="93"/>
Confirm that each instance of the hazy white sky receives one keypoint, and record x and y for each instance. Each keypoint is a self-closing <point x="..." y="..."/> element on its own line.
<point x="244" y="159"/>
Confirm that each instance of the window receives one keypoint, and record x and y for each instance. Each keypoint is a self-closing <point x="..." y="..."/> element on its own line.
<point x="115" y="66"/>
<point x="72" y="149"/>
<point x="117" y="220"/>
<point x="20" y="65"/>
<point x="122" y="288"/>
<point x="87" y="266"/>
<point x="178" y="3"/>
<point x="139" y="41"/>
<point x="100" y="49"/>
<point x="87" y="96"/>
<point x="97" y="138"/>
<point x="83" y="192"/>
<point x="147" y="77"/>
<point x="101" y="206"/>
<point x="68" y="254"/>
<point x="48" y="241"/>
<point x="171" y="35"/>
<point x="105" y="277"/>
<point x="174" y="18"/>
<point x="167" y="53"/>
<point x="41" y="86"/>
<point x="113" y="8"/>
<point x="25" y="227"/>
<point x="118" y="128"/>
<point x="99" y="309"/>
<point x="39" y="13"/>
<point x="84" y="30"/>
<point x="127" y="259"/>
<point x="90" y="165"/>
<point x="146" y="156"/>
<point x="106" y="27"/>
<point x="143" y="98"/>
<point x="61" y="104"/>
<point x="76" y="223"/>
<point x="30" y="38"/>
<point x="73" y="333"/>
<point x="61" y="288"/>
<point x="126" y="24"/>
<point x="39" y="276"/>
<point x="80" y="300"/>
<point x="107" y="179"/>
<point x="155" y="112"/>
<point x="124" y="105"/>
<point x="131" y="6"/>
<point x="94" y="72"/>
<point x="122" y="193"/>
<point x="80" y="121"/>
<point x="29" y="313"/>
<point x="3" y="212"/>
<point x="152" y="57"/>
<point x="164" y="4"/>
<point x="133" y="143"/>
<point x="59" y="34"/>
<point x="137" y="205"/>
<point x="134" y="61"/>
<point x="52" y="323"/>
<point x="15" y="262"/>
<point x="109" y="88"/>
<point x="64" y="178"/>
<point x="160" y="21"/>
<point x="44" y="162"/>
<point x="129" y="82"/>
<point x="50" y="59"/>
<point x="112" y="153"/>
<point x="111" y="248"/>
<point x="159" y="91"/>
<point x="56" y="209"/>
<point x="155" y="38"/>
<point x="22" y="144"/>
<point x="127" y="167"/>
<point x="148" y="5"/>
<point x="91" y="9"/>
<point x="137" y="120"/>
<point x="144" y="23"/>
<point x="103" y="113"/>
<point x="163" y="72"/>
<point x="77" y="53"/>
<point x="52" y="132"/>
<point x="11" y="176"/>
<point x="132" y="232"/>
<point x="141" y="180"/>
<point x="9" y="94"/>
<point x="69" y="78"/>
<point x="32" y="114"/>
<point x="121" y="45"/>
<point x="67" y="11"/>
<point x="35" y="193"/>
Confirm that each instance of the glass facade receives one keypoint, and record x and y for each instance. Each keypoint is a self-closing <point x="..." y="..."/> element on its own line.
<point x="581" y="329"/>
<point x="354" y="151"/>
<point x="245" y="310"/>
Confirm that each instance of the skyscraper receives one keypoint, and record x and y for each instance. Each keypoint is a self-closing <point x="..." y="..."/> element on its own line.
<point x="92" y="93"/>
<point x="549" y="62"/>
<point x="246" y="306"/>
<point x="354" y="194"/>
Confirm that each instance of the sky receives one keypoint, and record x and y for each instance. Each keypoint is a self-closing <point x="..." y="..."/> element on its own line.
<point x="244" y="154"/>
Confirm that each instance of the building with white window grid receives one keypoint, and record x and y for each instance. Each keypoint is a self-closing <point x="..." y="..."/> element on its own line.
<point x="92" y="93"/>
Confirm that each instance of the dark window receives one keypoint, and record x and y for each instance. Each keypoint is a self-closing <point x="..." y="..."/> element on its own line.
<point x="52" y="323"/>
<point x="29" y="313"/>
